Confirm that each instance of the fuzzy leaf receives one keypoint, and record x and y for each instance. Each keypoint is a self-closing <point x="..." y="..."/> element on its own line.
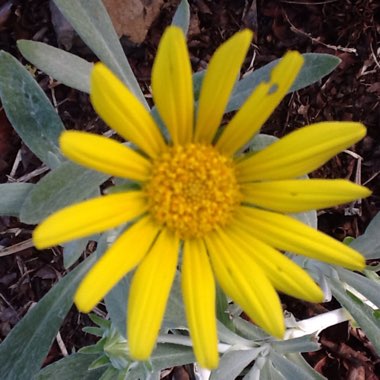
<point x="63" y="66"/>
<point x="67" y="184"/>
<point x="29" y="110"/>
<point x="12" y="196"/>
<point x="24" y="349"/>
<point x="91" y="21"/>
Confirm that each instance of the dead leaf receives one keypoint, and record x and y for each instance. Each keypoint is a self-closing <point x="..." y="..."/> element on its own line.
<point x="133" y="18"/>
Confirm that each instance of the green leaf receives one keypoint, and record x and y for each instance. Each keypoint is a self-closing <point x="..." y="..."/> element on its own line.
<point x="12" y="196"/>
<point x="170" y="355"/>
<point x="73" y="250"/>
<point x="306" y="343"/>
<point x="248" y="330"/>
<point x="116" y="303"/>
<point x="289" y="369"/>
<point x="91" y="21"/>
<point x="29" y="110"/>
<point x="67" y="184"/>
<point x="298" y="359"/>
<point x="232" y="363"/>
<point x="63" y="66"/>
<point x="316" y="66"/>
<point x="73" y="367"/>
<point x="222" y="313"/>
<point x="369" y="243"/>
<point x="369" y="288"/>
<point x="24" y="349"/>
<point x="362" y="314"/>
<point x="260" y="142"/>
<point x="182" y="16"/>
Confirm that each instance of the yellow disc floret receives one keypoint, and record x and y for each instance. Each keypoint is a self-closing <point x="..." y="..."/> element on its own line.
<point x="192" y="190"/>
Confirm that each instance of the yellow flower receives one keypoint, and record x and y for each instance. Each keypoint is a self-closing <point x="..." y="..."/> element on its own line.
<point x="227" y="211"/>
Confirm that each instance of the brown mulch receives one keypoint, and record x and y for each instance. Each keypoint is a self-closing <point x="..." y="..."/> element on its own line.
<point x="347" y="29"/>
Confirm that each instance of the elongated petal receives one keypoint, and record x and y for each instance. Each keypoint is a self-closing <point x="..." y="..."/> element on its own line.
<point x="198" y="288"/>
<point x="104" y="155"/>
<point x="123" y="256"/>
<point x="172" y="85"/>
<point x="89" y="217"/>
<point x="244" y="281"/>
<point x="221" y="75"/>
<point x="286" y="233"/>
<point x="123" y="112"/>
<point x="284" y="274"/>
<point x="300" y="152"/>
<point x="302" y="195"/>
<point x="260" y="105"/>
<point x="149" y="293"/>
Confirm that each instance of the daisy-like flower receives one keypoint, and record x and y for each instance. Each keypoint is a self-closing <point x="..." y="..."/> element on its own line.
<point x="226" y="210"/>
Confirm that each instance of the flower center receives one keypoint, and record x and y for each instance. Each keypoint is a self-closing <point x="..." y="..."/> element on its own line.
<point x="192" y="190"/>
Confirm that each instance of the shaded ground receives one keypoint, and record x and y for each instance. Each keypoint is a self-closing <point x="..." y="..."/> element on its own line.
<point x="347" y="29"/>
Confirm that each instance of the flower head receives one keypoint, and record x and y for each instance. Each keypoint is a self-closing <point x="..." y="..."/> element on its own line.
<point x="227" y="210"/>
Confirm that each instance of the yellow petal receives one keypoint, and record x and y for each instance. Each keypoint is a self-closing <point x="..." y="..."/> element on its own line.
<point x="260" y="104"/>
<point x="221" y="75"/>
<point x="286" y="233"/>
<point x="104" y="155"/>
<point x="302" y="195"/>
<point x="127" y="251"/>
<point x="149" y="293"/>
<point x="198" y="288"/>
<point x="123" y="112"/>
<point x="244" y="281"/>
<point x="300" y="151"/>
<point x="172" y="85"/>
<point x="89" y="217"/>
<point x="285" y="275"/>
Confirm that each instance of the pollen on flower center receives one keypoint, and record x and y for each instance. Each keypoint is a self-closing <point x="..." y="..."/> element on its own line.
<point x="192" y="190"/>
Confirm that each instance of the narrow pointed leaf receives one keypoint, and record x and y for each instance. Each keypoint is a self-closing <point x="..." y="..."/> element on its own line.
<point x="181" y="16"/>
<point x="315" y="67"/>
<point x="362" y="313"/>
<point x="63" y="66"/>
<point x="12" y="196"/>
<point x="24" y="349"/>
<point x="369" y="243"/>
<point x="91" y="21"/>
<point x="29" y="110"/>
<point x="65" y="185"/>
<point x="73" y="367"/>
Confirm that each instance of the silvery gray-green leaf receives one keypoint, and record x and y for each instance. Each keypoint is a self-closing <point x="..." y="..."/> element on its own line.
<point x="307" y="343"/>
<point x="73" y="367"/>
<point x="28" y="109"/>
<point x="298" y="359"/>
<point x="182" y="16"/>
<point x="261" y="141"/>
<point x="73" y="250"/>
<point x="67" y="184"/>
<point x="164" y="356"/>
<point x="362" y="313"/>
<point x="369" y="288"/>
<point x="227" y="336"/>
<point x="116" y="302"/>
<point x="265" y="372"/>
<point x="369" y="243"/>
<point x="12" y="196"/>
<point x="63" y="66"/>
<point x="316" y="66"/>
<point x="289" y="369"/>
<point x="24" y="349"/>
<point x="248" y="330"/>
<point x="232" y="363"/>
<point x="92" y="22"/>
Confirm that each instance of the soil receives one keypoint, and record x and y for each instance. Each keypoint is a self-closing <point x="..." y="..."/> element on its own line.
<point x="347" y="29"/>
